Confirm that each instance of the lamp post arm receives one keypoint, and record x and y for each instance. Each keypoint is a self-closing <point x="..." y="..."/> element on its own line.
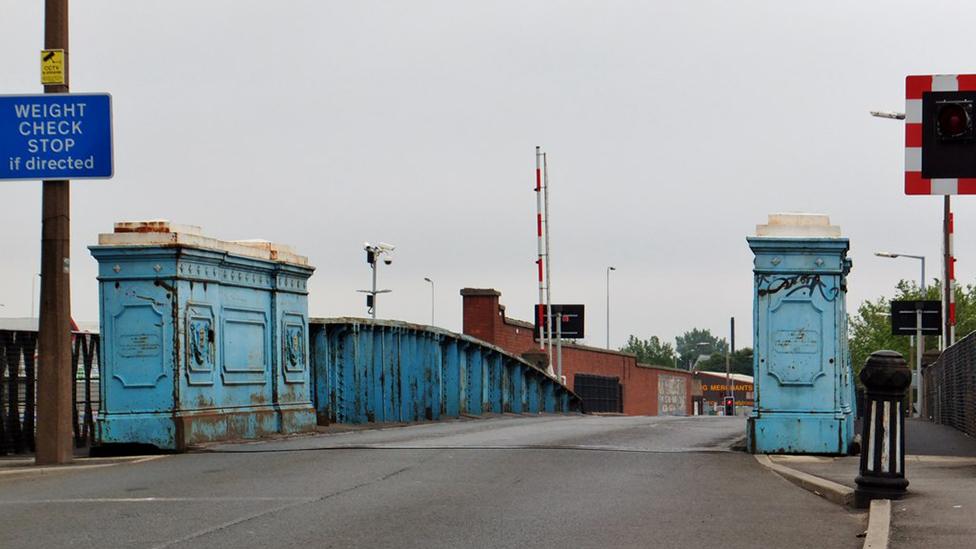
<point x="921" y="258"/>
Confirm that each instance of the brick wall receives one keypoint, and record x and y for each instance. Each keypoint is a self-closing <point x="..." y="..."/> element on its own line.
<point x="484" y="318"/>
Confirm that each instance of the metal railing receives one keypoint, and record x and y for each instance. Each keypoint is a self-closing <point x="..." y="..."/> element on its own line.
<point x="950" y="387"/>
<point x="18" y="389"/>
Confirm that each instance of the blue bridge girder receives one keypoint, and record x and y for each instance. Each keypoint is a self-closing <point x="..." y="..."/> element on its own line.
<point x="387" y="371"/>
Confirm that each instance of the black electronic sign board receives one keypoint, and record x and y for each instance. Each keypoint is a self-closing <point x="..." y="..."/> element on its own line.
<point x="904" y="315"/>
<point x="570" y="320"/>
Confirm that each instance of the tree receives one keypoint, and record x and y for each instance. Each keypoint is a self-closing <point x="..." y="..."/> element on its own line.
<point x="696" y="343"/>
<point x="739" y="363"/>
<point x="870" y="330"/>
<point x="650" y="351"/>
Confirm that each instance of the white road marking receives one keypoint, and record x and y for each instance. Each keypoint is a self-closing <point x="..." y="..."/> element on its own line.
<point x="227" y="499"/>
<point x="81" y="464"/>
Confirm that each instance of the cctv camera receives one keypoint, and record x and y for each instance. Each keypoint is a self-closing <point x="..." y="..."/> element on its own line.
<point x="388" y="260"/>
<point x="386" y="247"/>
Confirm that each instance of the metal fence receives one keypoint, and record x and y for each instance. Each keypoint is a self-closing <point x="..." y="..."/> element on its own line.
<point x="950" y="387"/>
<point x="18" y="389"/>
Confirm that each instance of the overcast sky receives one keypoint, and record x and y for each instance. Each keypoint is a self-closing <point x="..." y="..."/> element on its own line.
<point x="672" y="128"/>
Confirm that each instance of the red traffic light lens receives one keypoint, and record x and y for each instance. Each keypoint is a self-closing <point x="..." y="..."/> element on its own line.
<point x="954" y="120"/>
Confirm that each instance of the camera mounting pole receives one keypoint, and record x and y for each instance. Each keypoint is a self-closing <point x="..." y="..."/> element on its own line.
<point x="373" y="253"/>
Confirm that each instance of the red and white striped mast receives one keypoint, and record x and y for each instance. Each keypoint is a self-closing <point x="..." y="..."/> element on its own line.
<point x="538" y="218"/>
<point x="950" y="276"/>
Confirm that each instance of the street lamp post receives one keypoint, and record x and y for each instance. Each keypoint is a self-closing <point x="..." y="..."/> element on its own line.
<point x="920" y="340"/>
<point x="888" y="114"/>
<point x="431" y="299"/>
<point x="693" y="363"/>
<point x="608" y="304"/>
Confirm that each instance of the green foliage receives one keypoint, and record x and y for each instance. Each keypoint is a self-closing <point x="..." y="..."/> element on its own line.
<point x="965" y="310"/>
<point x="697" y="342"/>
<point x="650" y="351"/>
<point x="739" y="363"/>
<point x="870" y="328"/>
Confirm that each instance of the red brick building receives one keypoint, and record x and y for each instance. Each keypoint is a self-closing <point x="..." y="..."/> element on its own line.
<point x="646" y="390"/>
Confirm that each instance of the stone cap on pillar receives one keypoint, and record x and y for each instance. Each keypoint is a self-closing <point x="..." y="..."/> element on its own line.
<point x="799" y="243"/>
<point x="802" y="225"/>
<point x="162" y="233"/>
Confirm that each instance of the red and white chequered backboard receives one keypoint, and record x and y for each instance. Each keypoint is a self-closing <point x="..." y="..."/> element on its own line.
<point x="915" y="86"/>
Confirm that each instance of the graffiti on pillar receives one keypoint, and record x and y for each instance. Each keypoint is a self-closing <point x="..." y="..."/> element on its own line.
<point x="671" y="396"/>
<point x="792" y="284"/>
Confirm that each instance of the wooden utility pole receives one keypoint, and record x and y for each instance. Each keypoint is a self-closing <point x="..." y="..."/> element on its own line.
<point x="54" y="398"/>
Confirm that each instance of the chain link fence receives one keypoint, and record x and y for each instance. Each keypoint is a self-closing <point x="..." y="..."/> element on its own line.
<point x="950" y="387"/>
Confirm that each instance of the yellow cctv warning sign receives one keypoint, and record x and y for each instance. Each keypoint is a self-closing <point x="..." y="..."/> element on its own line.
<point x="52" y="67"/>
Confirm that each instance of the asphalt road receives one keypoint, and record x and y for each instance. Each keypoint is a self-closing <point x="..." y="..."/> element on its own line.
<point x="551" y="481"/>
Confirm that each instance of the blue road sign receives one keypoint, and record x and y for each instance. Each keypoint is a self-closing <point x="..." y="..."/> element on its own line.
<point x="56" y="136"/>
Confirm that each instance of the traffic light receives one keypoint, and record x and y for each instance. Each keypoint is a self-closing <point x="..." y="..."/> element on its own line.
<point x="954" y="120"/>
<point x="948" y="135"/>
<point x="729" y="406"/>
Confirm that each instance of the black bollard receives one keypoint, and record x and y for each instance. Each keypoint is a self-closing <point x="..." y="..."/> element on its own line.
<point x="886" y="377"/>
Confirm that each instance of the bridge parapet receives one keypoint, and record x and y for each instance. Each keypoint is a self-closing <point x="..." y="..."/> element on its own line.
<point x="389" y="371"/>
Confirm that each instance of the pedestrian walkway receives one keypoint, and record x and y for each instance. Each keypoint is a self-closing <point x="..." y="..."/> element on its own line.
<point x="940" y="507"/>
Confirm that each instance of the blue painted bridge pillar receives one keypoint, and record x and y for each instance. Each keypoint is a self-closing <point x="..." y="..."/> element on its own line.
<point x="201" y="339"/>
<point x="804" y="384"/>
